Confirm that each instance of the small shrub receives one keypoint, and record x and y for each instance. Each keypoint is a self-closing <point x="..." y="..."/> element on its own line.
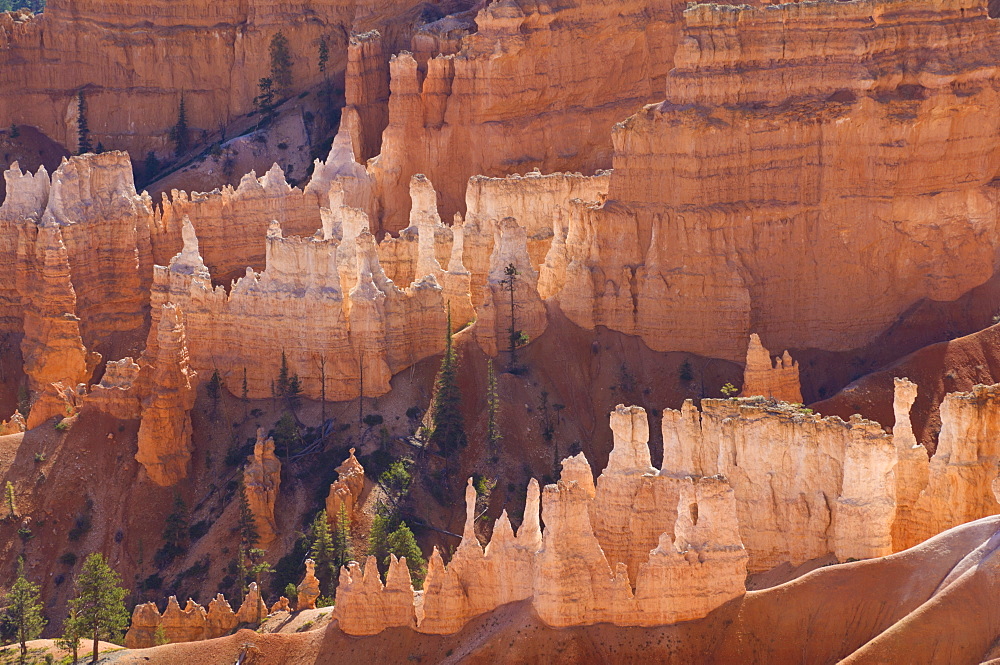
<point x="39" y="458"/>
<point x="372" y="419"/>
<point x="68" y="559"/>
<point x="414" y="412"/>
<point x="729" y="390"/>
<point x="152" y="583"/>
<point x="282" y="146"/>
<point x="62" y="425"/>
<point x="81" y="526"/>
<point x="304" y="627"/>
<point x="199" y="529"/>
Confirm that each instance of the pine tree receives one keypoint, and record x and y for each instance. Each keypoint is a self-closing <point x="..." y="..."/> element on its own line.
<point x="82" y="128"/>
<point x="11" y="503"/>
<point x="99" y="602"/>
<point x="179" y="132"/>
<point x="402" y="543"/>
<point x="324" y="55"/>
<point x="214" y="389"/>
<point x="150" y="167"/>
<point x="259" y="567"/>
<point x="244" y="393"/>
<point x="515" y="337"/>
<point x="343" y="551"/>
<point x="378" y="535"/>
<point x="70" y="638"/>
<point x="175" y="533"/>
<point x="281" y="62"/>
<point x="493" y="435"/>
<point x="322" y="552"/>
<point x="283" y="377"/>
<point x="447" y="423"/>
<point x="248" y="527"/>
<point x="294" y="393"/>
<point x="23" y="615"/>
<point x="264" y="101"/>
<point x="249" y="537"/>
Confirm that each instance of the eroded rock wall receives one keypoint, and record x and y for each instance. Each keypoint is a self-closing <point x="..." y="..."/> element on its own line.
<point x="736" y="200"/>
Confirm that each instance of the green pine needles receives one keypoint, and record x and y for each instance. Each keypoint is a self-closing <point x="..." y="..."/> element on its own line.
<point x="22" y="618"/>
<point x="99" y="605"/>
<point x="448" y="425"/>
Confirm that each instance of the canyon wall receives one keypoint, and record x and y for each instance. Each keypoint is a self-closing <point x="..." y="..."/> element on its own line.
<point x="534" y="87"/>
<point x="575" y="571"/>
<point x="135" y="61"/>
<point x="734" y="204"/>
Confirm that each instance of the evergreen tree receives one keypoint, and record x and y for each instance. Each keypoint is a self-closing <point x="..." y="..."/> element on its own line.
<point x="15" y="132"/>
<point x="243" y="394"/>
<point x="378" y="535"/>
<point x="324" y="55"/>
<point x="214" y="389"/>
<point x="447" y="423"/>
<point x="402" y="543"/>
<point x="515" y="337"/>
<point x="281" y="63"/>
<point x="259" y="567"/>
<point x="343" y="551"/>
<point x="23" y="614"/>
<point x="179" y="132"/>
<point x="70" y="638"/>
<point x="493" y="435"/>
<point x="82" y="128"/>
<point x="150" y="167"/>
<point x="175" y="533"/>
<point x="322" y="552"/>
<point x="11" y="503"/>
<point x="284" y="377"/>
<point x="294" y="393"/>
<point x="249" y="536"/>
<point x="264" y="101"/>
<point x="99" y="602"/>
<point x="286" y="434"/>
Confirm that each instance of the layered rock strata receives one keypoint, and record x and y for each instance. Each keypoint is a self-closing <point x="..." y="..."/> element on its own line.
<point x="532" y="87"/>
<point x="804" y="485"/>
<point x="776" y="378"/>
<point x="308" y="589"/>
<point x="261" y="482"/>
<point x="232" y="222"/>
<point x="190" y="624"/>
<point x="134" y="63"/>
<point x="52" y="346"/>
<point x="298" y="307"/>
<point x="346" y="490"/>
<point x="566" y="569"/>
<point x="168" y="388"/>
<point x="735" y="201"/>
<point x="512" y="313"/>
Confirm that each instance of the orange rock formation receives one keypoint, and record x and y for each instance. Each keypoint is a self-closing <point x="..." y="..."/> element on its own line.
<point x="777" y="378"/>
<point x="165" y="430"/>
<point x="345" y="491"/>
<point x="261" y="481"/>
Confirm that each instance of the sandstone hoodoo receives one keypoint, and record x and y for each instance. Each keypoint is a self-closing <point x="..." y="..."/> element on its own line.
<point x="499" y="331"/>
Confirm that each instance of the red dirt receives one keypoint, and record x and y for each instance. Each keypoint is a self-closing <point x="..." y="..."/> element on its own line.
<point x="937" y="370"/>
